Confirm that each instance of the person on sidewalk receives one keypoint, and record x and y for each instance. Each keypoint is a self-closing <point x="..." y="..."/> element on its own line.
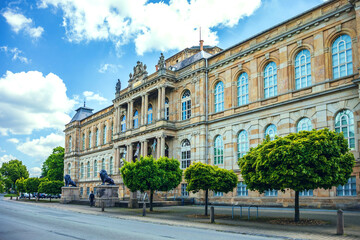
<point x="92" y="198"/>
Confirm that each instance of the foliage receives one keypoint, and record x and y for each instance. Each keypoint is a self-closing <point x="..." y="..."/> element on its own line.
<point x="20" y="185"/>
<point x="32" y="184"/>
<point x="51" y="187"/>
<point x="225" y="180"/>
<point x="53" y="167"/>
<point x="12" y="171"/>
<point x="299" y="161"/>
<point x="170" y="172"/>
<point x="2" y="184"/>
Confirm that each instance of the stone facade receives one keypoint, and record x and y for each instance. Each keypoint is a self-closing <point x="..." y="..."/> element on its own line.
<point x="201" y="105"/>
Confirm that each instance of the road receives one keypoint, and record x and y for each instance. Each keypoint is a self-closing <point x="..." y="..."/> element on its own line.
<point x="24" y="221"/>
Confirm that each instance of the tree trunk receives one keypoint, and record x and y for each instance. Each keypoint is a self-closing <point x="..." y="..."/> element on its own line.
<point x="297" y="210"/>
<point x="50" y="198"/>
<point x="151" y="200"/>
<point x="29" y="196"/>
<point x="206" y="201"/>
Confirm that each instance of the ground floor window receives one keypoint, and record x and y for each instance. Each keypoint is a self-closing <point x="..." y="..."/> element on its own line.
<point x="271" y="193"/>
<point x="81" y="191"/>
<point x="349" y="189"/>
<point x="218" y="194"/>
<point x="87" y="191"/>
<point x="306" y="193"/>
<point x="184" y="193"/>
<point x="241" y="189"/>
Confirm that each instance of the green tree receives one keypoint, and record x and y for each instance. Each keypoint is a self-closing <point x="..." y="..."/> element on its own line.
<point x="32" y="185"/>
<point x="12" y="171"/>
<point x="200" y="176"/>
<point x="53" y="167"/>
<point x="2" y="184"/>
<point x="20" y="185"/>
<point x="170" y="173"/>
<point x="225" y="180"/>
<point x="298" y="161"/>
<point x="51" y="187"/>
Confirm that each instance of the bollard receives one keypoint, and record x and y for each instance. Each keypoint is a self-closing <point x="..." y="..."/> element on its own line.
<point x="144" y="209"/>
<point x="102" y="206"/>
<point x="212" y="215"/>
<point x="340" y="222"/>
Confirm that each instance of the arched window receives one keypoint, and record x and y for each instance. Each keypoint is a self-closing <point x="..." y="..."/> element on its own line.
<point x="90" y="139"/>
<point x="70" y="144"/>
<point x="185" y="154"/>
<point x="88" y="169"/>
<point x="103" y="164"/>
<point x="219" y="97"/>
<point x="95" y="168"/>
<point x="97" y="138"/>
<point x="218" y="150"/>
<point x="344" y="122"/>
<point x="82" y="170"/>
<point x="304" y="125"/>
<point x="83" y="141"/>
<point x="186" y="105"/>
<point x="167" y="113"/>
<point x="243" y="89"/>
<point x="342" y="56"/>
<point x="123" y="123"/>
<point x="270" y="80"/>
<point x="111" y="166"/>
<point x="243" y="143"/>
<point x="104" y="134"/>
<point x="69" y="168"/>
<point x="150" y="114"/>
<point x="271" y="131"/>
<point x="136" y="119"/>
<point x="302" y="69"/>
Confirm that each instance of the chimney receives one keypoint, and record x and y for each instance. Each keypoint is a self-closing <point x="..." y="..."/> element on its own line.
<point x="201" y="45"/>
<point x="157" y="67"/>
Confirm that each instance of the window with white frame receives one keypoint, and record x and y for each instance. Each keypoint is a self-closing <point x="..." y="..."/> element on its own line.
<point x="104" y="134"/>
<point x="136" y="119"/>
<point x="304" y="125"/>
<point x="185" y="154"/>
<point x="150" y="114"/>
<point x="167" y="109"/>
<point x="218" y="150"/>
<point x="184" y="193"/>
<point x="241" y="189"/>
<point x="219" y="97"/>
<point x="82" y="170"/>
<point x="123" y="123"/>
<point x="83" y="141"/>
<point x="95" y="168"/>
<point x="97" y="137"/>
<point x="270" y="80"/>
<point x="70" y="144"/>
<point x="103" y="164"/>
<point x="186" y="105"/>
<point x="302" y="69"/>
<point x="342" y="56"/>
<point x="88" y="169"/>
<point x="90" y="139"/>
<point x="243" y="89"/>
<point x="271" y="193"/>
<point x="344" y="122"/>
<point x="349" y="189"/>
<point x="271" y="131"/>
<point x="69" y="168"/>
<point x="218" y="194"/>
<point x="242" y="143"/>
<point x="306" y="193"/>
<point x="111" y="166"/>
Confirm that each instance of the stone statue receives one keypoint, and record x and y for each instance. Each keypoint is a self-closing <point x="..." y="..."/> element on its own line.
<point x="68" y="181"/>
<point x="105" y="178"/>
<point x="161" y="62"/>
<point x="118" y="86"/>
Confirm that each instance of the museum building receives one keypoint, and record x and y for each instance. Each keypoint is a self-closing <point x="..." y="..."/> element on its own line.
<point x="206" y="104"/>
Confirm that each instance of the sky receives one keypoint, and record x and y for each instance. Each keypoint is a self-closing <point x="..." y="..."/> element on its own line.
<point x="55" y="54"/>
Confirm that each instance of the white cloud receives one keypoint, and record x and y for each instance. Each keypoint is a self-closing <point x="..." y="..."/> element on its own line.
<point x="30" y="101"/>
<point x="108" y="67"/>
<point x="13" y="140"/>
<point x="19" y="22"/>
<point x="35" y="172"/>
<point x="91" y="96"/>
<point x="2" y="150"/>
<point x="17" y="54"/>
<point x="153" y="26"/>
<point x="42" y="147"/>
<point x="6" y="158"/>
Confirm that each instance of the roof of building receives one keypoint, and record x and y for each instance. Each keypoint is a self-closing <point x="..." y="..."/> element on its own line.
<point x="82" y="113"/>
<point x="190" y="60"/>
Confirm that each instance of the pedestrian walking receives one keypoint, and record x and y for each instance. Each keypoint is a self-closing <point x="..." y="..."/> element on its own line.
<point x="92" y="198"/>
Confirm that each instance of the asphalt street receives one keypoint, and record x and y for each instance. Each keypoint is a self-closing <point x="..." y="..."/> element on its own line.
<point x="23" y="221"/>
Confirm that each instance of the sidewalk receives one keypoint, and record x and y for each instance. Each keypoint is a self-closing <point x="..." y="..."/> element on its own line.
<point x="192" y="216"/>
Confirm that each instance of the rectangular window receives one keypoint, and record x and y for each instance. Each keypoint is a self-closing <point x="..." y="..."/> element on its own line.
<point x="87" y="191"/>
<point x="184" y="193"/>
<point x="241" y="189"/>
<point x="185" y="159"/>
<point x="81" y="191"/>
<point x="271" y="193"/>
<point x="218" y="194"/>
<point x="306" y="193"/>
<point x="349" y="189"/>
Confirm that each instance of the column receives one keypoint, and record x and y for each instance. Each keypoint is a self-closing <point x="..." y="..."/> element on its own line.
<point x="159" y="104"/>
<point x="142" y="148"/>
<point x="128" y="116"/>
<point x="131" y="114"/>
<point x="116" y="119"/>
<point x="141" y="117"/>
<point x="162" y="102"/>
<point x="117" y="161"/>
<point x="158" y="150"/>
<point x="146" y="96"/>
<point x="131" y="156"/>
<point x="162" y="145"/>
<point x="145" y="147"/>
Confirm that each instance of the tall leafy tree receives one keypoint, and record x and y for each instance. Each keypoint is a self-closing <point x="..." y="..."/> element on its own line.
<point x="53" y="167"/>
<point x="32" y="185"/>
<point x="51" y="187"/>
<point x="298" y="161"/>
<point x="20" y="185"/>
<point x="2" y="184"/>
<point x="12" y="171"/>
<point x="170" y="173"/>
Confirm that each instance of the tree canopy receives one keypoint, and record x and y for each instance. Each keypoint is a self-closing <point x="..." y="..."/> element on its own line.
<point x="12" y="171"/>
<point x="299" y="161"/>
<point x="53" y="167"/>
<point x="32" y="185"/>
<point x="51" y="187"/>
<point x="20" y="185"/>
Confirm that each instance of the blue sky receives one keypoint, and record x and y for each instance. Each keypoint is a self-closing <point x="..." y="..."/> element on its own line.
<point x="56" y="53"/>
